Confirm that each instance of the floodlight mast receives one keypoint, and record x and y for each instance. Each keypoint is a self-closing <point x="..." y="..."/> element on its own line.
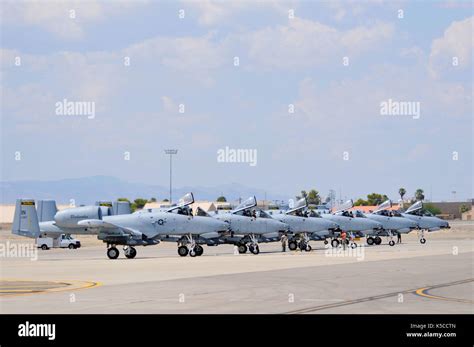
<point x="171" y="152"/>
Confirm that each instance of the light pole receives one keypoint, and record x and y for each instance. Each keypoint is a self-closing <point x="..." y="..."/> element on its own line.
<point x="171" y="152"/>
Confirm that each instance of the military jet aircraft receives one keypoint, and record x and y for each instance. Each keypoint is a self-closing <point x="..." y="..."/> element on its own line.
<point x="53" y="223"/>
<point x="190" y="237"/>
<point x="391" y="221"/>
<point x="349" y="222"/>
<point x="137" y="229"/>
<point x="304" y="225"/>
<point x="424" y="219"/>
<point x="249" y="226"/>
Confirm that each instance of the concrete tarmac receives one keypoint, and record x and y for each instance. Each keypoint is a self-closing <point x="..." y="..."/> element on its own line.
<point x="409" y="278"/>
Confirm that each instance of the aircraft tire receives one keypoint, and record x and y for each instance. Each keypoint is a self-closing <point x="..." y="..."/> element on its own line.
<point x="354" y="245"/>
<point x="292" y="245"/>
<point x="132" y="254"/>
<point x="302" y="246"/>
<point x="255" y="250"/>
<point x="326" y="241"/>
<point x="308" y="248"/>
<point x="192" y="253"/>
<point x="335" y="243"/>
<point x="422" y="241"/>
<point x="242" y="248"/>
<point x="113" y="253"/>
<point x="183" y="251"/>
<point x="378" y="240"/>
<point x="199" y="250"/>
<point x="370" y="241"/>
<point x="391" y="243"/>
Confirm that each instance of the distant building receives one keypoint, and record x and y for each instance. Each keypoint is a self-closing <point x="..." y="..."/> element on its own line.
<point x="451" y="208"/>
<point x="468" y="215"/>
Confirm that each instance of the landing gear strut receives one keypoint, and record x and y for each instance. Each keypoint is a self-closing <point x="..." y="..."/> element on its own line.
<point x="194" y="250"/>
<point x="253" y="246"/>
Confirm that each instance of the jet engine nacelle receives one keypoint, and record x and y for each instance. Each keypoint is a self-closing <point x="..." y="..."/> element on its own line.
<point x="68" y="218"/>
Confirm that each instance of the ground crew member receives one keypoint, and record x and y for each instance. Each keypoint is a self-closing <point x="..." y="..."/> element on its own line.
<point x="284" y="239"/>
<point x="399" y="238"/>
<point x="343" y="237"/>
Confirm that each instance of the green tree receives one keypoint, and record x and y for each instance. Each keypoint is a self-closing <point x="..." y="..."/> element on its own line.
<point x="402" y="192"/>
<point x="123" y="199"/>
<point x="166" y="200"/>
<point x="361" y="202"/>
<point x="221" y="199"/>
<point x="153" y="200"/>
<point x="375" y="199"/>
<point x="313" y="197"/>
<point x="419" y="195"/>
<point x="463" y="208"/>
<point x="432" y="208"/>
<point x="138" y="203"/>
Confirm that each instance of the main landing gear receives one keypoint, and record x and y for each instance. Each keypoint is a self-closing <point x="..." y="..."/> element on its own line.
<point x="302" y="244"/>
<point x="194" y="249"/>
<point x="253" y="245"/>
<point x="113" y="253"/>
<point x="377" y="240"/>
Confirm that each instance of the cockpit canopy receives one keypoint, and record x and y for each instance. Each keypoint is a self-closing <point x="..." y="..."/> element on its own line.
<point x="297" y="206"/>
<point x="384" y="205"/>
<point x="345" y="206"/>
<point x="253" y="212"/>
<point x="415" y="207"/>
<point x="246" y="204"/>
<point x="186" y="200"/>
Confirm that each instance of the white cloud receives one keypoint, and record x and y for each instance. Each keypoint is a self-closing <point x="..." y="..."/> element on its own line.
<point x="55" y="17"/>
<point x="458" y="42"/>
<point x="304" y="43"/>
<point x="213" y="12"/>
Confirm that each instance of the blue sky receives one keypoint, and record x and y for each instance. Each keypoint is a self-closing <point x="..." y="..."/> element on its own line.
<point x="283" y="61"/>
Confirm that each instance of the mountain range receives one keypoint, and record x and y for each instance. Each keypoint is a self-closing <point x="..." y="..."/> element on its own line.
<point x="87" y="190"/>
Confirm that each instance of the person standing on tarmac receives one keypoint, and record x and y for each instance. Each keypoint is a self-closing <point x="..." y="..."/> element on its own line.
<point x="343" y="238"/>
<point x="399" y="238"/>
<point x="284" y="240"/>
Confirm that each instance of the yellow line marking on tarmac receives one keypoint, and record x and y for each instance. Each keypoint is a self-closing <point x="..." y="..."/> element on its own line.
<point x="420" y="292"/>
<point x="424" y="293"/>
<point x="66" y="286"/>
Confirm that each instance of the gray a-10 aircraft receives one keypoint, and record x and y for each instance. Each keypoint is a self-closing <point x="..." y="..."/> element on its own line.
<point x="392" y="222"/>
<point x="304" y="225"/>
<point x="54" y="223"/>
<point x="129" y="230"/>
<point x="348" y="222"/>
<point x="248" y="226"/>
<point x="424" y="219"/>
<point x="190" y="237"/>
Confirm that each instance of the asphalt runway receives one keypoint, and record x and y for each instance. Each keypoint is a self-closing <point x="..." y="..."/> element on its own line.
<point x="410" y="278"/>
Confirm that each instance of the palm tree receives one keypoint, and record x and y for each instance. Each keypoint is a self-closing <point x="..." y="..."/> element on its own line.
<point x="402" y="193"/>
<point x="419" y="195"/>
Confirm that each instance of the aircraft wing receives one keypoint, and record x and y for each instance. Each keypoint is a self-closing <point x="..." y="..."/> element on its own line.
<point x="104" y="226"/>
